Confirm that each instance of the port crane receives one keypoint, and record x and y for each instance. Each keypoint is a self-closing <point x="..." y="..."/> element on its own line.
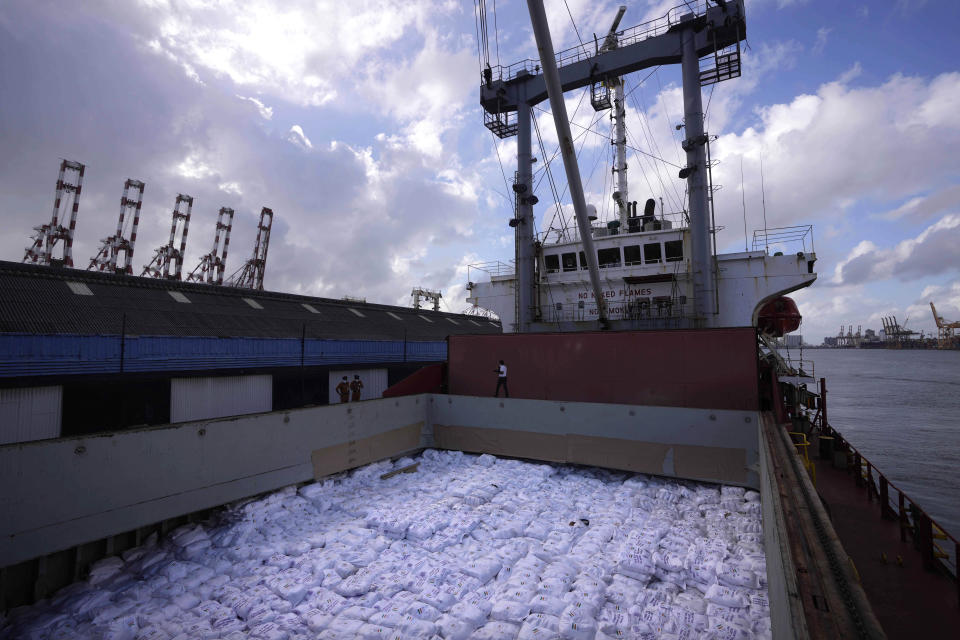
<point x="895" y="332"/>
<point x="945" y="330"/>
<point x="250" y="275"/>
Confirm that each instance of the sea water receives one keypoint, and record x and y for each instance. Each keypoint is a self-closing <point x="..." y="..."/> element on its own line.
<point x="900" y="409"/>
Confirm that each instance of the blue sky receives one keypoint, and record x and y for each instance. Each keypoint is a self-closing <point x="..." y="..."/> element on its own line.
<point x="358" y="124"/>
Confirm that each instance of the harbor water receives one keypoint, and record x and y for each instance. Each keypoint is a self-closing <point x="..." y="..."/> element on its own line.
<point x="900" y="409"/>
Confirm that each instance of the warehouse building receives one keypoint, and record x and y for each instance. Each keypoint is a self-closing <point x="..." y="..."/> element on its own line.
<point x="86" y="352"/>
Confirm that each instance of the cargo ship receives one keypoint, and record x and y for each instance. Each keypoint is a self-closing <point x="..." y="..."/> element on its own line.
<point x="677" y="403"/>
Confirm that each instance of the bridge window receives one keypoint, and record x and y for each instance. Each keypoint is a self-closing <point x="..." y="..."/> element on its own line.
<point x="552" y="263"/>
<point x="609" y="257"/>
<point x="674" y="250"/>
<point x="569" y="261"/>
<point x="651" y="253"/>
<point x="632" y="255"/>
<point x="583" y="261"/>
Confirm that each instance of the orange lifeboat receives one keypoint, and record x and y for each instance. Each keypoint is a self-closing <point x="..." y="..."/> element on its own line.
<point x="779" y="316"/>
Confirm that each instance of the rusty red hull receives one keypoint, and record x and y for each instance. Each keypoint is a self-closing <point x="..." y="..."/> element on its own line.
<point x="704" y="368"/>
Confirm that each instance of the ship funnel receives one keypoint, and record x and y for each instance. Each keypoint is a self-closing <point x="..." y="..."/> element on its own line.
<point x="649" y="210"/>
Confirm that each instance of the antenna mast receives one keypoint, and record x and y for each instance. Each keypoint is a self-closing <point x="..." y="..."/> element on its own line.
<point x="110" y="248"/>
<point x="47" y="235"/>
<point x="167" y="260"/>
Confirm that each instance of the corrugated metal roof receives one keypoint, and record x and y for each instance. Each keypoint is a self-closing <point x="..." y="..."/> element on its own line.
<point x="39" y="300"/>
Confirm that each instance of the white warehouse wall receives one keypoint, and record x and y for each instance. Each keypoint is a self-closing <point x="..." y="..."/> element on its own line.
<point x="30" y="413"/>
<point x="218" y="397"/>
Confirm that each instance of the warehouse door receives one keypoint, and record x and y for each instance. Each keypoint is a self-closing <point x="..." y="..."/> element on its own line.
<point x="202" y="398"/>
<point x="32" y="413"/>
<point x="374" y="383"/>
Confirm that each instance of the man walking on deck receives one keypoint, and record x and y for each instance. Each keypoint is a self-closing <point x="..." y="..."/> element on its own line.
<point x="355" y="388"/>
<point x="343" y="389"/>
<point x="501" y="372"/>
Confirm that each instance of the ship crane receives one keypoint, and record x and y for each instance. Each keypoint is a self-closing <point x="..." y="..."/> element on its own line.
<point x="46" y="236"/>
<point x="112" y="247"/>
<point x="250" y="275"/>
<point x="212" y="265"/>
<point x="946" y="336"/>
<point x="167" y="262"/>
<point x="508" y="94"/>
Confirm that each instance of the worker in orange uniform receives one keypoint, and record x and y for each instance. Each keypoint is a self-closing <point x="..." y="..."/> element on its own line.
<point x="344" y="390"/>
<point x="355" y="388"/>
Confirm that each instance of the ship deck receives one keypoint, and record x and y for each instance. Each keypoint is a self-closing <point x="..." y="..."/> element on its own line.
<point x="908" y="600"/>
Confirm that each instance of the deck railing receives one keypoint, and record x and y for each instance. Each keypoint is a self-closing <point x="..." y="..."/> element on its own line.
<point x="784" y="240"/>
<point x="492" y="268"/>
<point x="939" y="551"/>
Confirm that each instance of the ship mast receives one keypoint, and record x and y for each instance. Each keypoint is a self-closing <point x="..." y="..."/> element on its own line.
<point x="621" y="197"/>
<point x="704" y="278"/>
<point x="551" y="76"/>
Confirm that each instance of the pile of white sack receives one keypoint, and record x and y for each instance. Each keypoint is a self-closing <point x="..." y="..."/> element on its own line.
<point x="465" y="547"/>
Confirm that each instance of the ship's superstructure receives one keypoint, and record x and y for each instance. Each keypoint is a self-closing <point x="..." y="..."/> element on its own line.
<point x="638" y="271"/>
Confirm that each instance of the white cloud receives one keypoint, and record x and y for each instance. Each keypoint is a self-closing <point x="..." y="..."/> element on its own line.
<point x="265" y="112"/>
<point x="298" y="138"/>
<point x="299" y="51"/>
<point x="232" y="188"/>
<point x="823" y="33"/>
<point x="823" y="152"/>
<point x="933" y="251"/>
<point x="924" y="206"/>
<point x="194" y="168"/>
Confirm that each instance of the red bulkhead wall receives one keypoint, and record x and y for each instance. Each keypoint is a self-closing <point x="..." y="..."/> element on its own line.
<point x="706" y="368"/>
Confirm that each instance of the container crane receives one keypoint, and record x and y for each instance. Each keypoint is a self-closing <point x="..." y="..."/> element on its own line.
<point x="110" y="249"/>
<point x="212" y="265"/>
<point x="167" y="263"/>
<point x="46" y="236"/>
<point x="250" y="275"/>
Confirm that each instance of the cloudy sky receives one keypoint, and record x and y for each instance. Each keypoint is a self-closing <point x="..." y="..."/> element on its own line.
<point x="358" y="124"/>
